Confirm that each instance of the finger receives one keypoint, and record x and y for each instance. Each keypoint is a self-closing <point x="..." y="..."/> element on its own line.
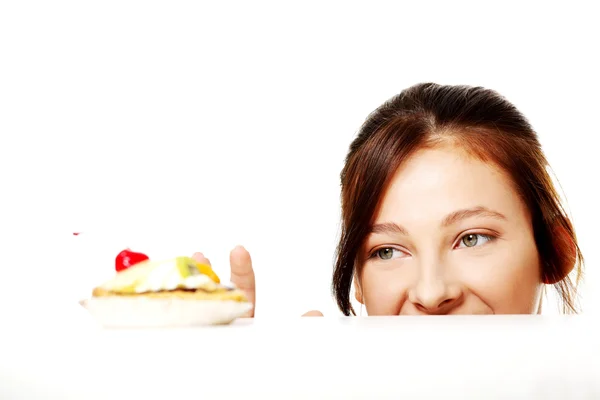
<point x="242" y="274"/>
<point x="313" y="313"/>
<point x="199" y="257"/>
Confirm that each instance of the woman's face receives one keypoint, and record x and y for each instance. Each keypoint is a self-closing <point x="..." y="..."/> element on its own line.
<point x="450" y="237"/>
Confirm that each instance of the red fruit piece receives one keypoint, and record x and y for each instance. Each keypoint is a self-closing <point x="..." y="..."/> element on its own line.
<point x="127" y="258"/>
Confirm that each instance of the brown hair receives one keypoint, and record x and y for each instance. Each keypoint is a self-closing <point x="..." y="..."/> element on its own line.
<point x="488" y="127"/>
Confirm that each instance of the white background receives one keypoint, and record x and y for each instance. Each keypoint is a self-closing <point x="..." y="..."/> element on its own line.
<point x="175" y="127"/>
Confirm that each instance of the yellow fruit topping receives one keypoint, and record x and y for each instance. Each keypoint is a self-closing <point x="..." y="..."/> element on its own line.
<point x="207" y="270"/>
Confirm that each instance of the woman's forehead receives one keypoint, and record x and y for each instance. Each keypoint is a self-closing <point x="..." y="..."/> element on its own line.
<point x="437" y="181"/>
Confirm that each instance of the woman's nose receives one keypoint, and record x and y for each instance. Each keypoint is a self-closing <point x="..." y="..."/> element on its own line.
<point x="435" y="295"/>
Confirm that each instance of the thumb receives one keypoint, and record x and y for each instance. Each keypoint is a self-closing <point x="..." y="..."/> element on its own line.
<point x="242" y="274"/>
<point x="313" y="313"/>
<point x="199" y="257"/>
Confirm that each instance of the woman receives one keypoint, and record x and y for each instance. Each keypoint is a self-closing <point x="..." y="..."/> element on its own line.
<point x="447" y="208"/>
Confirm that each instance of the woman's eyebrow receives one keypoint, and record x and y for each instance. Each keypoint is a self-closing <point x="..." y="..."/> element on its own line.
<point x="388" y="227"/>
<point x="459" y="215"/>
<point x="452" y="218"/>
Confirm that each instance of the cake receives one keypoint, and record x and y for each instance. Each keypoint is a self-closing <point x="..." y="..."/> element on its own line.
<point x="166" y="293"/>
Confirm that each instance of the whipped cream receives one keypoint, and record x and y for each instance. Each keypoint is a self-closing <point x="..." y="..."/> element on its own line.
<point x="168" y="277"/>
<point x="153" y="276"/>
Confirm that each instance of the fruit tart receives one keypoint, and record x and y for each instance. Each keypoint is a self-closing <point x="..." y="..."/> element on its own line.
<point x="167" y="293"/>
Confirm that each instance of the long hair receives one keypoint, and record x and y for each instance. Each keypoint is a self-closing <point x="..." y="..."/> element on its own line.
<point x="488" y="127"/>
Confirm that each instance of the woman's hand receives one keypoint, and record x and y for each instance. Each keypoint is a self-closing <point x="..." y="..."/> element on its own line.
<point x="242" y="276"/>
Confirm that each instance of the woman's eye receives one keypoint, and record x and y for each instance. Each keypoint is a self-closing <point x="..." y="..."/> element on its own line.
<point x="474" y="239"/>
<point x="387" y="253"/>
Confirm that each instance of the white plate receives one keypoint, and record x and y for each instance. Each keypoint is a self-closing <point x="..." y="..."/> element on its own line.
<point x="143" y="312"/>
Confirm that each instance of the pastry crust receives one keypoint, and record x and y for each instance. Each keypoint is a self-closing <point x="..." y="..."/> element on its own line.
<point x="219" y="294"/>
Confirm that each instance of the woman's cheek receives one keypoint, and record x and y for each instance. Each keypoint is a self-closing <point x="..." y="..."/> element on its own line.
<point x="383" y="291"/>
<point x="507" y="281"/>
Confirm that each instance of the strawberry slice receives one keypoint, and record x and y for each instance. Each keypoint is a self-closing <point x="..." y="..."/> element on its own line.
<point x="128" y="258"/>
